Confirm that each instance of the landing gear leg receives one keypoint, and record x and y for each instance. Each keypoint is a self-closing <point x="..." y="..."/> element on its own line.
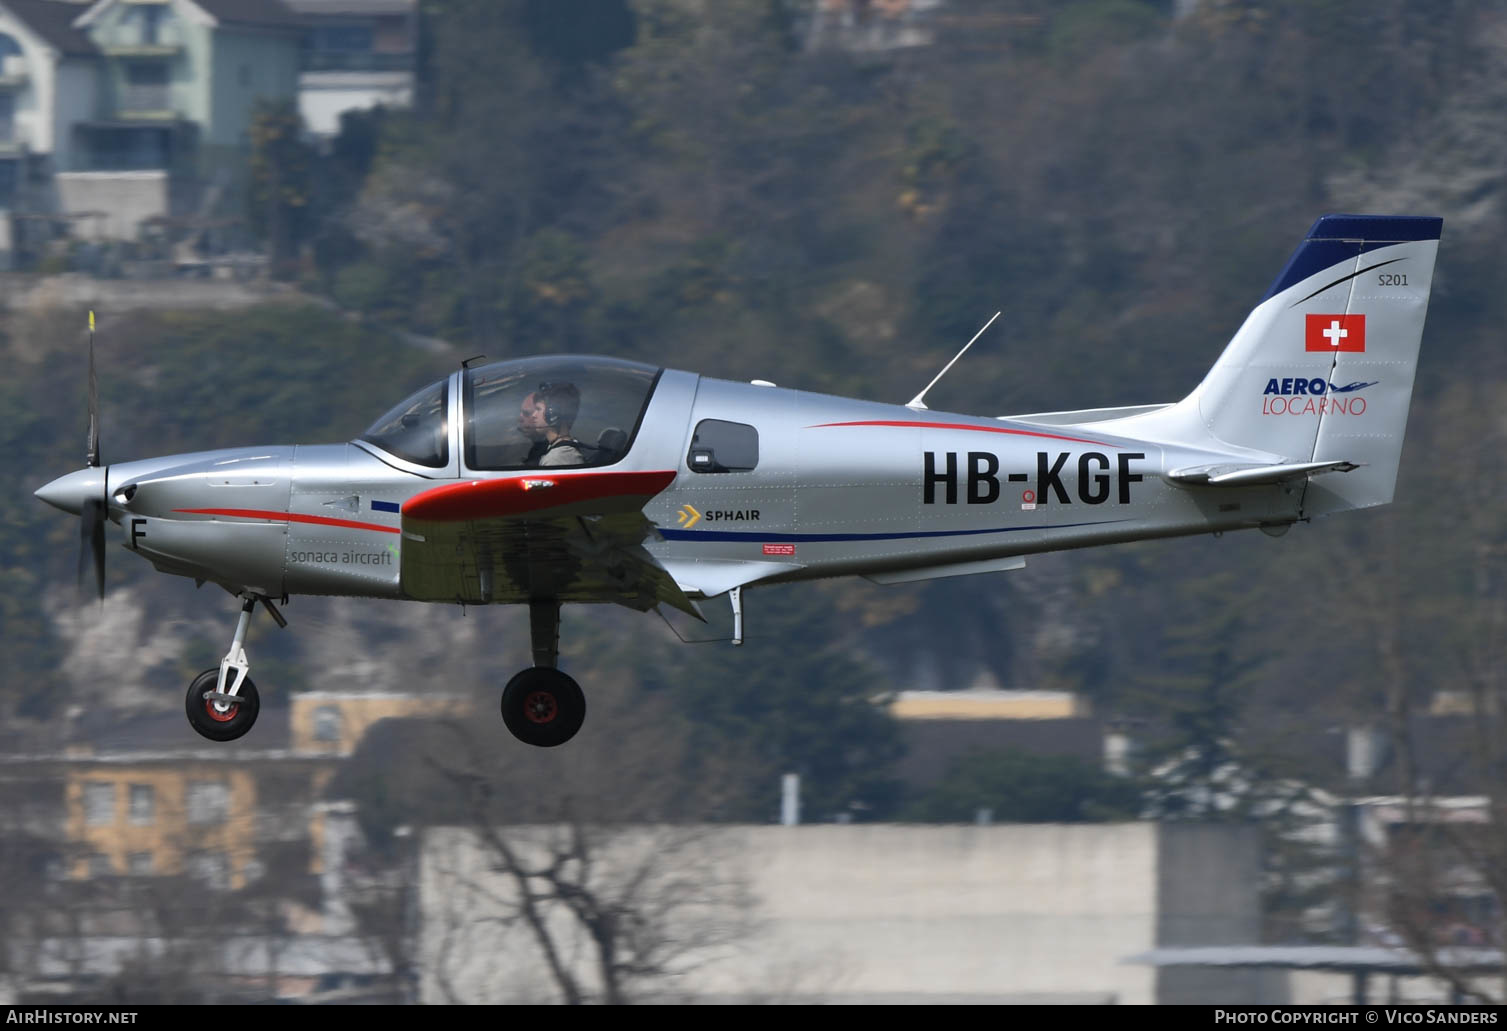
<point x="541" y="705"/>
<point x="222" y="704"/>
<point x="544" y="632"/>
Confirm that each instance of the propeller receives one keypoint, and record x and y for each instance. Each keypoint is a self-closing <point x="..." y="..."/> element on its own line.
<point x="93" y="512"/>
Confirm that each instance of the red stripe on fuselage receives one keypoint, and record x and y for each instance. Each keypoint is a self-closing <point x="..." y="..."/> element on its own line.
<point x="286" y="517"/>
<point x="510" y="496"/>
<point x="963" y="426"/>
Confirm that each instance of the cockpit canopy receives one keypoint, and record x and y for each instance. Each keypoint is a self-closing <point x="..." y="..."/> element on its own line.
<point x="417" y="430"/>
<point x="551" y="411"/>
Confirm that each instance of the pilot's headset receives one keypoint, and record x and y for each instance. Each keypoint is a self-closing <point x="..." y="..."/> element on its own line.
<point x="546" y="393"/>
<point x="562" y="401"/>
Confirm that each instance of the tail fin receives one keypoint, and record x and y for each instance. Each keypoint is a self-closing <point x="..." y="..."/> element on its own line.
<point x="1322" y="369"/>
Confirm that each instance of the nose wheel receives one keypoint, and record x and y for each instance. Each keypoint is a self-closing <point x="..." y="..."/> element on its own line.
<point x="222" y="703"/>
<point x="219" y="719"/>
<point x="543" y="707"/>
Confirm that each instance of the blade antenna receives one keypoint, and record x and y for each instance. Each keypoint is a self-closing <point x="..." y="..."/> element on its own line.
<point x="917" y="402"/>
<point x="93" y="443"/>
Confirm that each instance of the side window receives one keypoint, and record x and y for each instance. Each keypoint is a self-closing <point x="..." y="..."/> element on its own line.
<point x="326" y="723"/>
<point x="723" y="447"/>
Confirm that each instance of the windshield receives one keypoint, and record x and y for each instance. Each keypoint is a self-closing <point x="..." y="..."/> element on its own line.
<point x="418" y="429"/>
<point x="557" y="411"/>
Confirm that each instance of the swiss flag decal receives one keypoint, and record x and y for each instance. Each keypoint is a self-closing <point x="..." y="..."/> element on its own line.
<point x="1335" y="333"/>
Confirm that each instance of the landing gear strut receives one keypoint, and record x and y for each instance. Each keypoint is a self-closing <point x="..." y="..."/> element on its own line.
<point x="541" y="705"/>
<point x="222" y="703"/>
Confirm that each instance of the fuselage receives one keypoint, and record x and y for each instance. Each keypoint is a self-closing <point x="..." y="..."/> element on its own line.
<point x="806" y="485"/>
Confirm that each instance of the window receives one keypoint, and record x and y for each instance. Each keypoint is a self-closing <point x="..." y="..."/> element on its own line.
<point x="723" y="447"/>
<point x="143" y="804"/>
<point x="418" y="429"/>
<point x="210" y="867"/>
<point x="150" y="17"/>
<point x="346" y="38"/>
<point x="208" y="802"/>
<point x="554" y="411"/>
<point x="99" y="865"/>
<point x="99" y="804"/>
<point x="7" y="118"/>
<point x="139" y="864"/>
<point x="327" y="723"/>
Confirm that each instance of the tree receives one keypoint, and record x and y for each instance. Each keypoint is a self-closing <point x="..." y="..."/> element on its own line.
<point x="572" y="875"/>
<point x="281" y="179"/>
<point x="1017" y="787"/>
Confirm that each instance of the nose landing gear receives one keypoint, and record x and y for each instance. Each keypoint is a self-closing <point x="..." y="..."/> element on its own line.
<point x="222" y="703"/>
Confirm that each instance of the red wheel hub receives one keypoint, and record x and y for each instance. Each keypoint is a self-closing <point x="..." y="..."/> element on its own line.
<point x="541" y="707"/>
<point x="221" y="717"/>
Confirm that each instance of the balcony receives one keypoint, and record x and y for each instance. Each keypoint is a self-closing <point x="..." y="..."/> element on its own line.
<point x="162" y="50"/>
<point x="146" y="101"/>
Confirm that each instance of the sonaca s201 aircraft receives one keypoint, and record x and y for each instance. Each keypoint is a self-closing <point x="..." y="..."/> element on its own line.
<point x="549" y="480"/>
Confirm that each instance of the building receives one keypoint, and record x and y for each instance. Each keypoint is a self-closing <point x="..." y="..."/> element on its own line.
<point x="96" y="832"/>
<point x="357" y="55"/>
<point x="144" y="796"/>
<point x="48" y="80"/>
<point x="872" y="25"/>
<point x="164" y="131"/>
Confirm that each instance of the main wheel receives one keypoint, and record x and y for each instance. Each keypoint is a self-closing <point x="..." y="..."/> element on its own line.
<point x="543" y="707"/>
<point x="221" y="721"/>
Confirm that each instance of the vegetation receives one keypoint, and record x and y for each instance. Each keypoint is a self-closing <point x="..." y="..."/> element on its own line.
<point x="690" y="186"/>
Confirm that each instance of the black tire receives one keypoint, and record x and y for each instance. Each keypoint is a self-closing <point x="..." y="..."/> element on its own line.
<point x="543" y="707"/>
<point x="218" y="726"/>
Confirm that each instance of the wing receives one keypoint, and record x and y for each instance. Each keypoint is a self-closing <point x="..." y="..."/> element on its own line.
<point x="565" y="536"/>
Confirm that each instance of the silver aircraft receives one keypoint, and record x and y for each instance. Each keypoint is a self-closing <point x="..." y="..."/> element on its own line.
<point x="549" y="480"/>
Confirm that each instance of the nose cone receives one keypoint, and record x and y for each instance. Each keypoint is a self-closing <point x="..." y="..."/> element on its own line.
<point x="70" y="492"/>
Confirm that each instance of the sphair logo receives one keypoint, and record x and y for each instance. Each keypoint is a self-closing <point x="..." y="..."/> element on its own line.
<point x="688" y="517"/>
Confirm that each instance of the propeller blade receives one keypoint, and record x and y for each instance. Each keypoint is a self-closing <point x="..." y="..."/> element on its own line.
<point x="92" y="540"/>
<point x="93" y="443"/>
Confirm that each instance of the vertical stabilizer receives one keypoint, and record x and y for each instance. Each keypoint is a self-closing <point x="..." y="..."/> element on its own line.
<point x="1322" y="369"/>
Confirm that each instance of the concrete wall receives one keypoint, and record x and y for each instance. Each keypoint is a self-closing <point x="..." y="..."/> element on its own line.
<point x="123" y="200"/>
<point x="1208" y="882"/>
<point x="874" y="913"/>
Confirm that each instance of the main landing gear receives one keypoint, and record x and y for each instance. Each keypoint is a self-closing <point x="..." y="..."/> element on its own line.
<point x="222" y="703"/>
<point x="541" y="705"/>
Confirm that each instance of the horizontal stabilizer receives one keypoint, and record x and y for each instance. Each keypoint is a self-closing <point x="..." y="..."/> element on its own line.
<point x="1085" y="415"/>
<point x="1234" y="475"/>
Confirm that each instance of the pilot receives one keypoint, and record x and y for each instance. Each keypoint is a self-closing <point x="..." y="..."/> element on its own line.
<point x="546" y="417"/>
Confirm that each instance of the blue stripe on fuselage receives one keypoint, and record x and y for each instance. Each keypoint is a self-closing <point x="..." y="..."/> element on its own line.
<point x="732" y="535"/>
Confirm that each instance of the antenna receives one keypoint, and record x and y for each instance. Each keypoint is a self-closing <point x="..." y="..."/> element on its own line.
<point x="916" y="401"/>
